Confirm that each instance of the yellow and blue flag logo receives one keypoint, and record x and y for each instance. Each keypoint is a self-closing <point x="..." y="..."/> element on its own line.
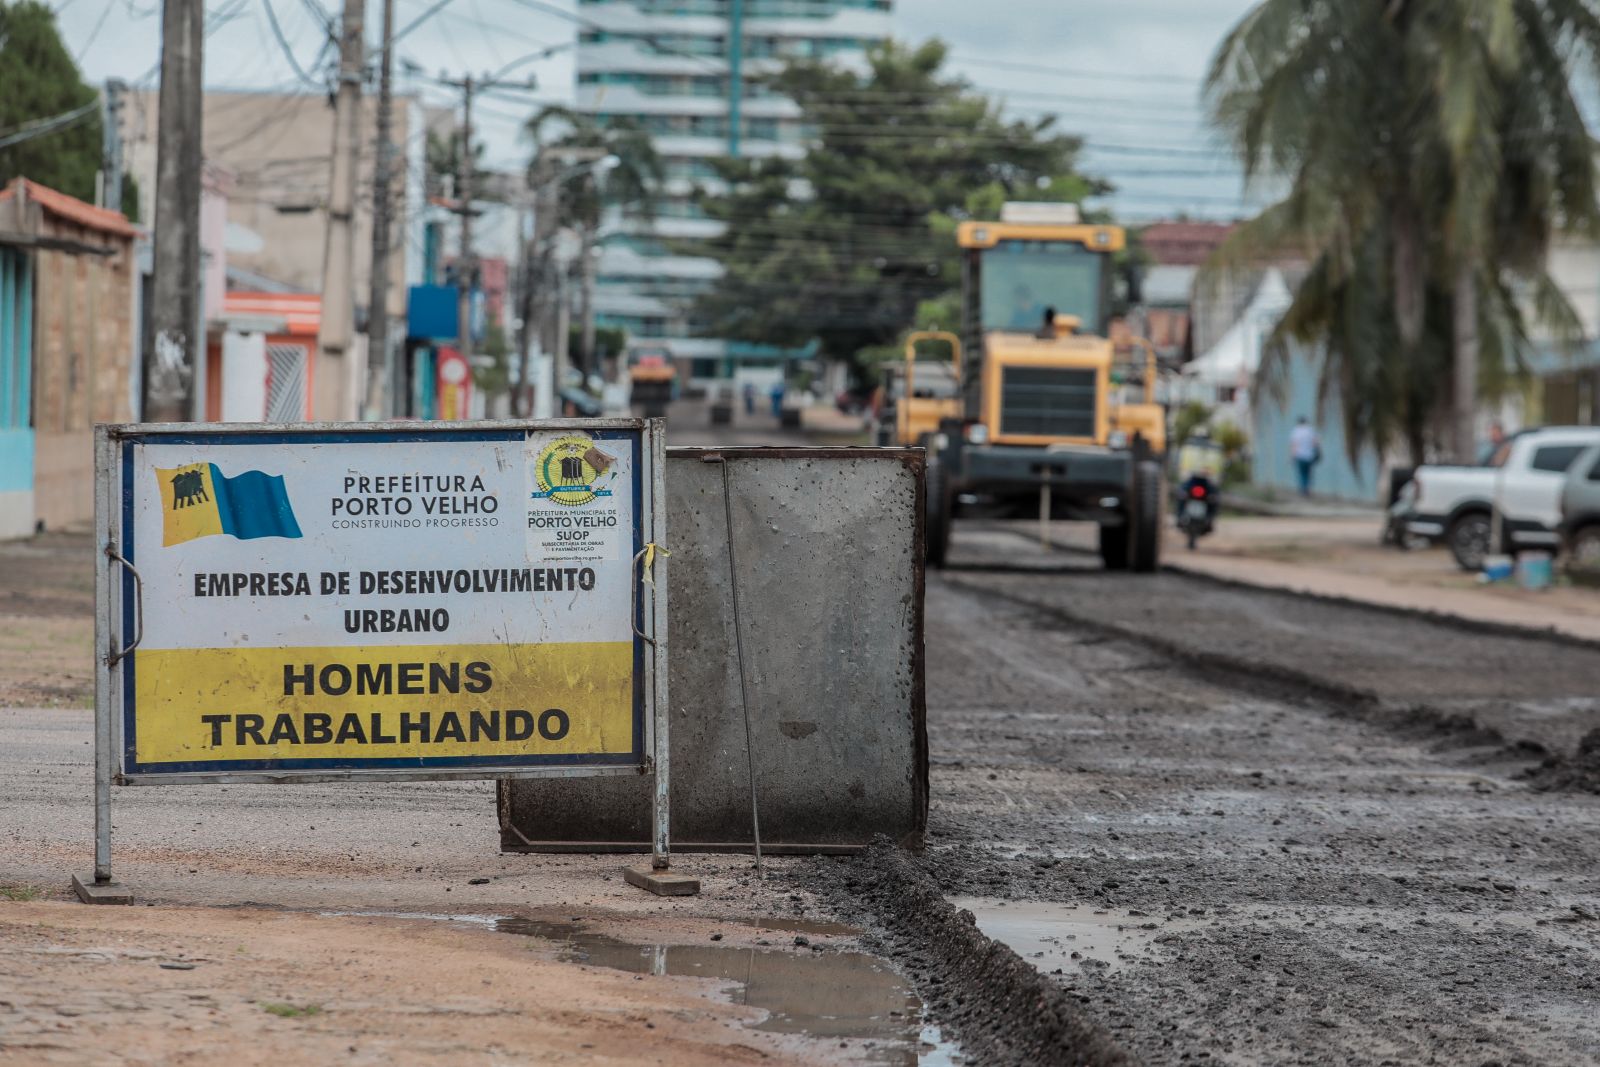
<point x="199" y="502"/>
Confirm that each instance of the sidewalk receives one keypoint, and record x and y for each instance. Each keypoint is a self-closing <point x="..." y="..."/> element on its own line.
<point x="689" y="423"/>
<point x="1288" y="505"/>
<point x="1341" y="557"/>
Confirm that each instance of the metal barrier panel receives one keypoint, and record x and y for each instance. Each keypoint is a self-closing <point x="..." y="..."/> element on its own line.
<point x="828" y="548"/>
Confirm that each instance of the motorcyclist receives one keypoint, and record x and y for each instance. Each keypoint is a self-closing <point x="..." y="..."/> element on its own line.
<point x="1201" y="477"/>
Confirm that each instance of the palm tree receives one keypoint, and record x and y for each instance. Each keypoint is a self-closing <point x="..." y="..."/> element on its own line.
<point x="1431" y="148"/>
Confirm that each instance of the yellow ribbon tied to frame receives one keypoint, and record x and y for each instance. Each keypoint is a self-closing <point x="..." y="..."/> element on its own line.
<point x="650" y="551"/>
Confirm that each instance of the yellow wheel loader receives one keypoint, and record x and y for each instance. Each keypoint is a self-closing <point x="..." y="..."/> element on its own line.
<point x="918" y="397"/>
<point x="1051" y="423"/>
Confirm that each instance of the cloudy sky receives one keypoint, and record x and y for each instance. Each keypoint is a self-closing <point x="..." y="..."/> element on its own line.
<point x="1125" y="75"/>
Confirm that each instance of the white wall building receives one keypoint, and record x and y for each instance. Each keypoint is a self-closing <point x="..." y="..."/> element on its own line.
<point x="686" y="71"/>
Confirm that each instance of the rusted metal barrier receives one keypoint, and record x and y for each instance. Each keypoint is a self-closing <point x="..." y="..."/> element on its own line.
<point x="828" y="544"/>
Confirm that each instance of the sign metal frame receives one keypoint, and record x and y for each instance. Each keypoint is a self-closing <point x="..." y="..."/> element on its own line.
<point x="120" y="610"/>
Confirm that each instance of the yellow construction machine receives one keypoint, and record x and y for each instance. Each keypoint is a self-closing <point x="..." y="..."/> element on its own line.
<point x="1051" y="423"/>
<point x="916" y="401"/>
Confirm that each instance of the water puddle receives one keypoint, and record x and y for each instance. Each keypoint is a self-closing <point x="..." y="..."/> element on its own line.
<point x="847" y="996"/>
<point x="1071" y="937"/>
<point x="430" y="916"/>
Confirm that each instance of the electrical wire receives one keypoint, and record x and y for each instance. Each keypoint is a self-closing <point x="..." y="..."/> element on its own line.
<point x="288" y="53"/>
<point x="1076" y="72"/>
<point x="94" y="34"/>
<point x="322" y="18"/>
<point x="53" y="124"/>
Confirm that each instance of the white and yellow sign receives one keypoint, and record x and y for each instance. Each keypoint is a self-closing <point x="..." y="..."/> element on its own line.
<point x="321" y="601"/>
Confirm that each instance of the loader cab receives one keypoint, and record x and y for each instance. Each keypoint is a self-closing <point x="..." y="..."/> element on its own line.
<point x="1028" y="383"/>
<point x="1020" y="277"/>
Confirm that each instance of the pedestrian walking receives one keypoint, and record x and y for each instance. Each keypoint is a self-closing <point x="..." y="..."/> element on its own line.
<point x="1306" y="448"/>
<point x="749" y="398"/>
<point x="1497" y="437"/>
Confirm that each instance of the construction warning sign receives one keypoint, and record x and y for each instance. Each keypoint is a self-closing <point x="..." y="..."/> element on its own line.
<point x="313" y="601"/>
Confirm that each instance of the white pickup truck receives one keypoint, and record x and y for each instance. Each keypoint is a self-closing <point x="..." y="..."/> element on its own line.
<point x="1521" y="481"/>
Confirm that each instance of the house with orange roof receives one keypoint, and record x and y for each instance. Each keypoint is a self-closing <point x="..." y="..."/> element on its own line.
<point x="261" y="360"/>
<point x="68" y="344"/>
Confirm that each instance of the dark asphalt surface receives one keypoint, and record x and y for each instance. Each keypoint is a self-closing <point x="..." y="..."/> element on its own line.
<point x="1251" y="868"/>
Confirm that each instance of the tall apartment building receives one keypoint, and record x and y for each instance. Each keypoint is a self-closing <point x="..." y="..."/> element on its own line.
<point x="688" y="71"/>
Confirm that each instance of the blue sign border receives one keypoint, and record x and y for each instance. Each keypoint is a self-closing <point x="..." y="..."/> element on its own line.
<point x="130" y="764"/>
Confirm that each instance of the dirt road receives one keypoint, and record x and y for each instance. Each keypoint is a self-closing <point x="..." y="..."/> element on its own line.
<point x="1256" y="838"/>
<point x="1217" y="826"/>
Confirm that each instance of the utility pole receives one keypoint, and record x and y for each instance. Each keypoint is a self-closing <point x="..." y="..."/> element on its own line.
<point x="174" y="345"/>
<point x="335" y="333"/>
<point x="549" y="301"/>
<point x="563" y="319"/>
<point x="111" y="143"/>
<point x="546" y="232"/>
<point x="536" y="276"/>
<point x="522" y="398"/>
<point x="466" y="266"/>
<point x="467" y="263"/>
<point x="382" y="177"/>
<point x="589" y="253"/>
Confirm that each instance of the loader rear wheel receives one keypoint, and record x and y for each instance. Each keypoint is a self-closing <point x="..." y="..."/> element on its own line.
<point x="1145" y="524"/>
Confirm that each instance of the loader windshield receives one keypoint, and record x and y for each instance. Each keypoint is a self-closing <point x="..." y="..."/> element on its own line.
<point x="1022" y="278"/>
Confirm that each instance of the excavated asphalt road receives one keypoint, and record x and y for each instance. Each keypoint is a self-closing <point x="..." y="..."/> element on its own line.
<point x="1227" y="826"/>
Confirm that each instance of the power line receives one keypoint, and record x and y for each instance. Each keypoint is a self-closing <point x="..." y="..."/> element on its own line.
<point x="932" y="97"/>
<point x="94" y="33"/>
<point x="433" y="9"/>
<point x="488" y="40"/>
<point x="590" y="24"/>
<point x="1070" y="72"/>
<point x="288" y="53"/>
<point x="55" y="123"/>
<point x="322" y="18"/>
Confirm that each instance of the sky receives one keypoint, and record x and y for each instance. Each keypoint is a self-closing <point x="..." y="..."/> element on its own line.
<point x="1124" y="75"/>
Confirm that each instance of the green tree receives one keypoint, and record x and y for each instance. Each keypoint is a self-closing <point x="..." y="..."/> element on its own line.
<point x="1190" y="419"/>
<point x="1430" y="149"/>
<point x="844" y="243"/>
<point x="492" y="375"/>
<point x="609" y="341"/>
<point x="39" y="80"/>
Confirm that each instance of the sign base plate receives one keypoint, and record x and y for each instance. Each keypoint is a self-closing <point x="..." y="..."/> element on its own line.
<point x="91" y="892"/>
<point x="662" y="883"/>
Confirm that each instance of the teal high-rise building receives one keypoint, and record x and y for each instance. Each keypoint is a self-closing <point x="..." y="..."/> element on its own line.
<point x="687" y="70"/>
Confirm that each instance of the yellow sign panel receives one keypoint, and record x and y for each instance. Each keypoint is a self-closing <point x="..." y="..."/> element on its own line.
<point x="383" y="702"/>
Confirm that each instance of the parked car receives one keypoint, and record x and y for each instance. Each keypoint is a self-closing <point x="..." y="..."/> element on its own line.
<point x="1580" y="512"/>
<point x="1522" y="481"/>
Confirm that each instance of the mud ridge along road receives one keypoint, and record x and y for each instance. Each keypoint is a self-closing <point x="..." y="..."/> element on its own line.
<point x="1230" y="826"/>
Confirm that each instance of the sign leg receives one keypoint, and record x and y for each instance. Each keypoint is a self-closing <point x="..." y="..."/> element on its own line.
<point x="102" y="798"/>
<point x="659" y="879"/>
<point x="102" y="890"/>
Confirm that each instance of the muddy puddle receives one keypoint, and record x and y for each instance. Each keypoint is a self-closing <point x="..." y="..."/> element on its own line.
<point x="844" y="996"/>
<point x="1068" y="936"/>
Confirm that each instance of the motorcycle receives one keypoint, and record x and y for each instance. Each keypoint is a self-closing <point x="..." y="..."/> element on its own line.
<point x="1196" y="509"/>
